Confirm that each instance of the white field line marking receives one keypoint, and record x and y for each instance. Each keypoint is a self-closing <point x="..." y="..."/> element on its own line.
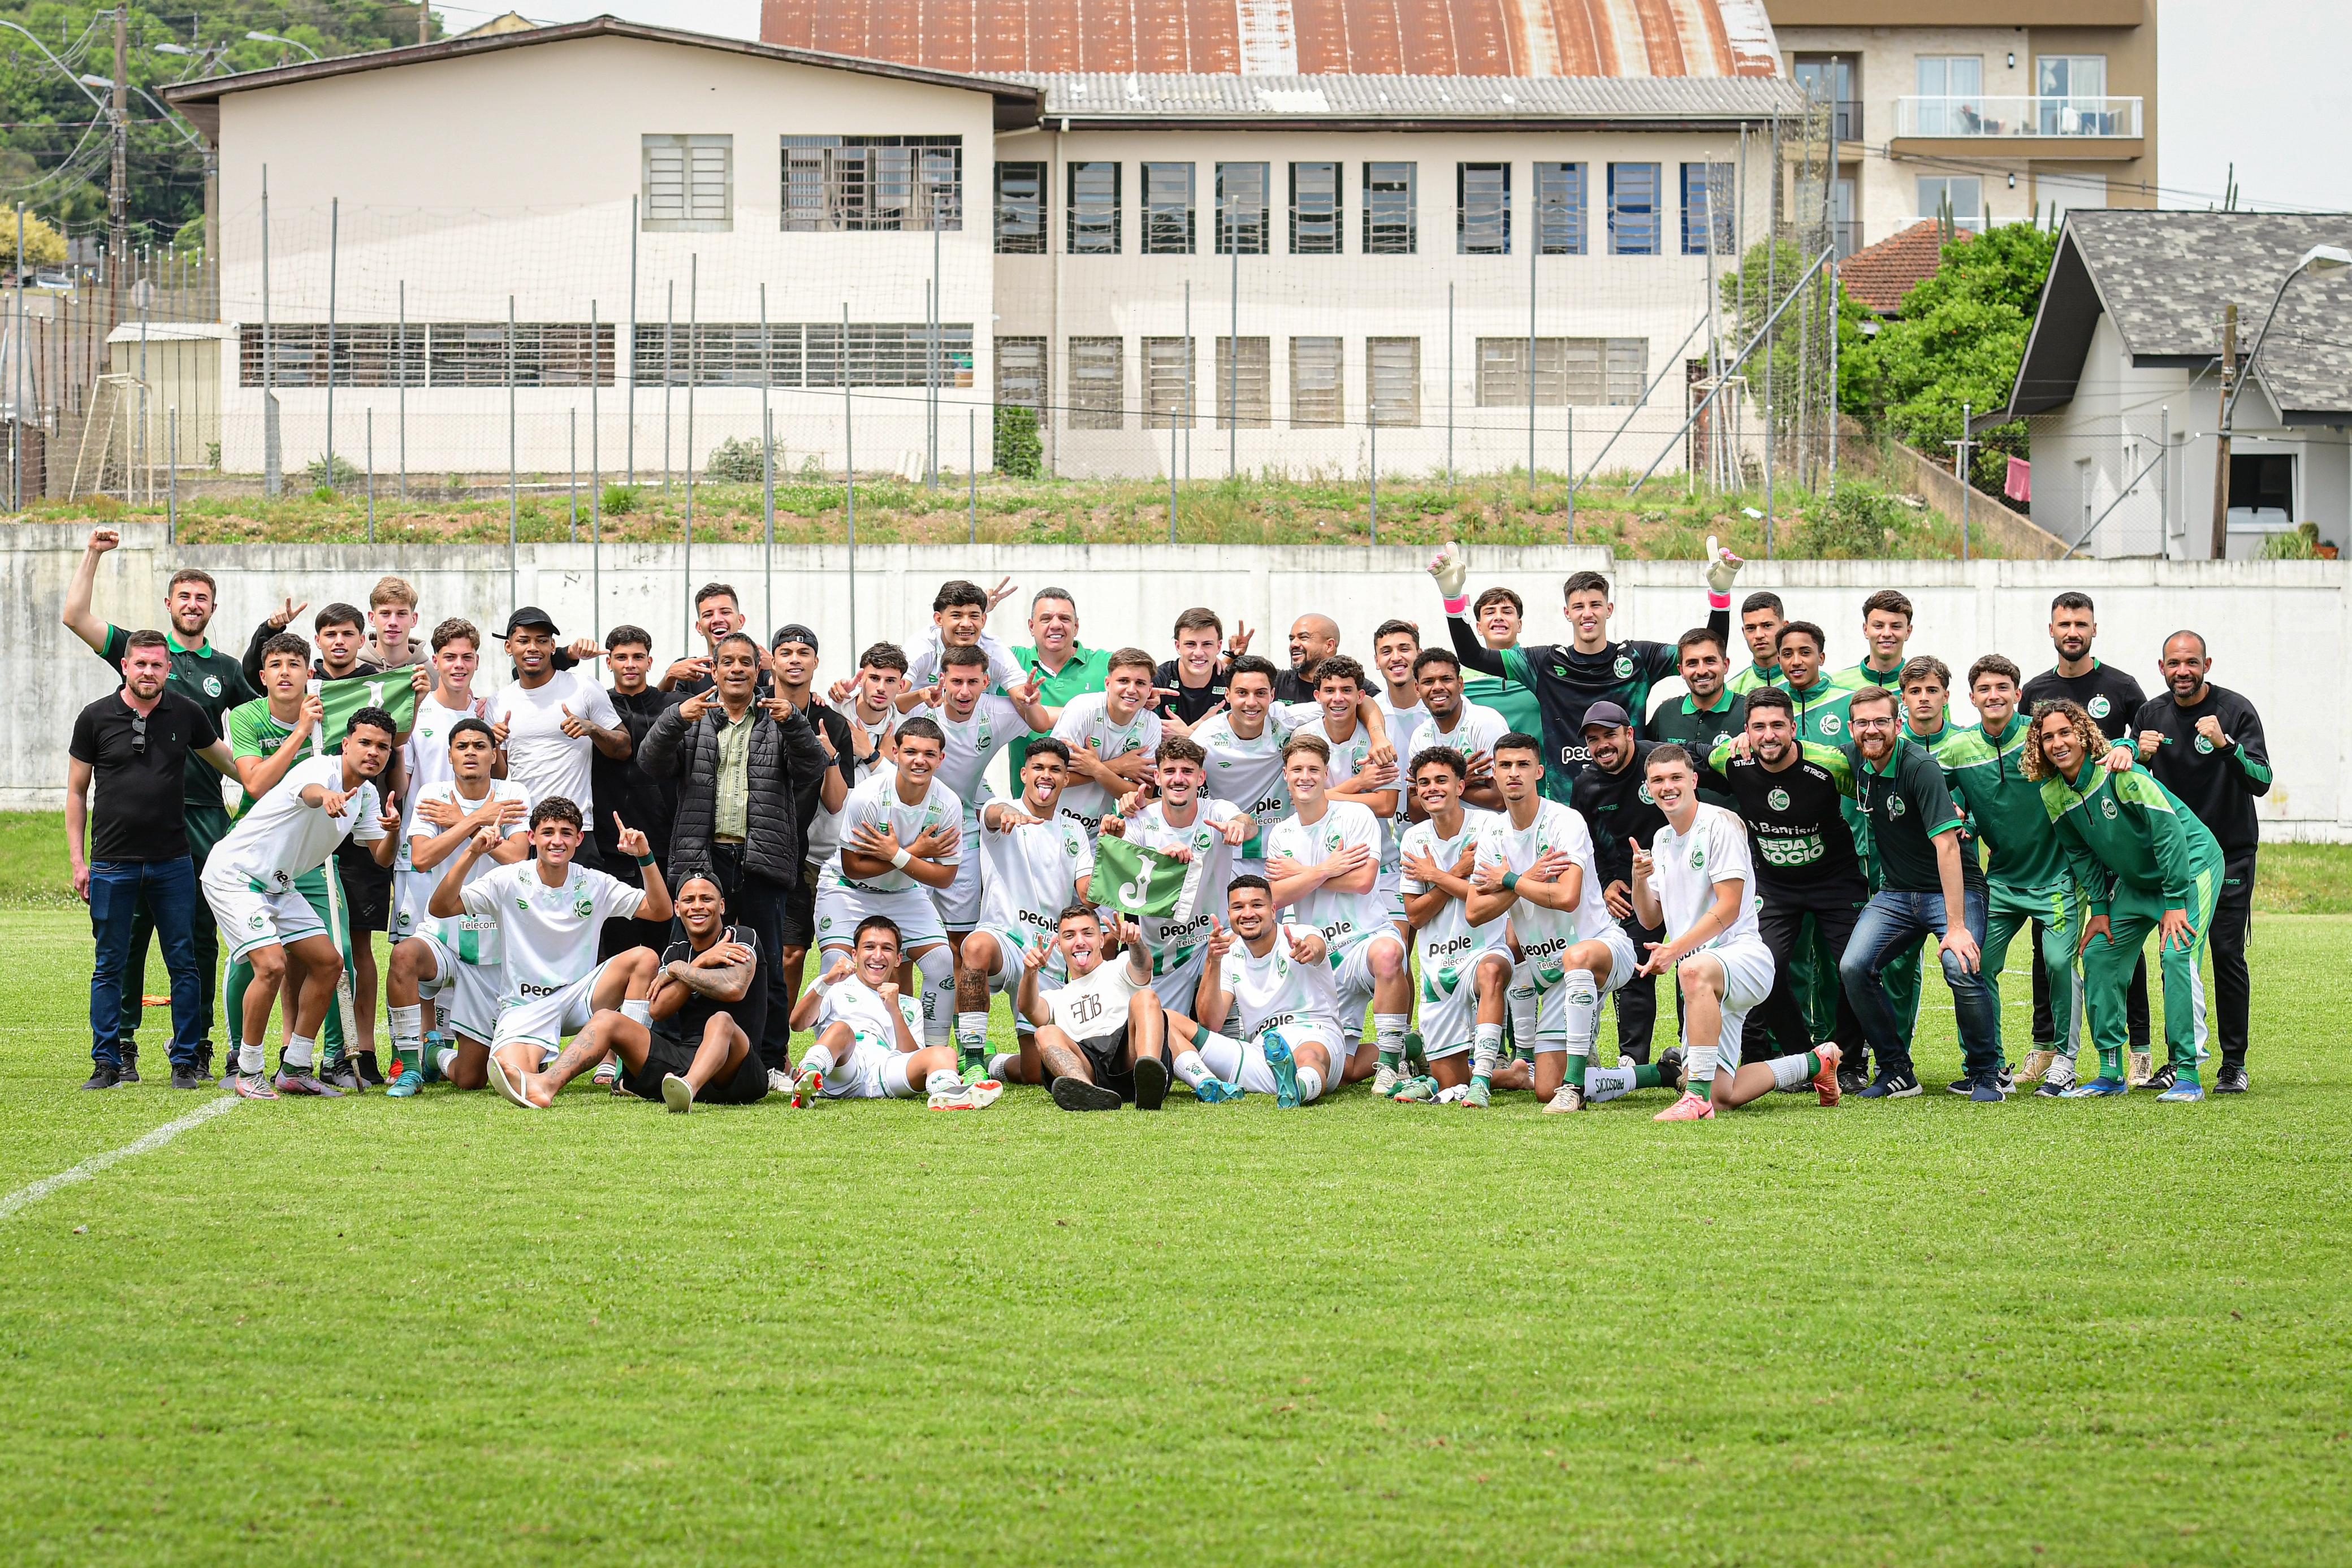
<point x="26" y="1197"/>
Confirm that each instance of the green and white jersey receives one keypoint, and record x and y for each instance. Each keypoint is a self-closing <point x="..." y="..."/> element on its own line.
<point x="1545" y="934"/>
<point x="549" y="934"/>
<point x="253" y="733"/>
<point x="1476" y="729"/>
<point x="425" y="758"/>
<point x="1405" y="728"/>
<point x="474" y="938"/>
<point x="1029" y="874"/>
<point x="1449" y="945"/>
<point x="1987" y="776"/>
<point x="1349" y="758"/>
<point x="1247" y="772"/>
<point x="282" y="838"/>
<point x="1344" y="918"/>
<point x="1087" y="722"/>
<point x="876" y="803"/>
<point x="854" y="1002"/>
<point x="1280" y="991"/>
<point x="973" y="743"/>
<point x="1173" y="942"/>
<point x="1686" y="867"/>
<point x="2127" y="836"/>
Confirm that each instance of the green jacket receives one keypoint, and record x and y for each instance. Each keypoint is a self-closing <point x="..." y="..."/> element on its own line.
<point x="2004" y="807"/>
<point x="1821" y="716"/>
<point x="1755" y="678"/>
<point x="2127" y="830"/>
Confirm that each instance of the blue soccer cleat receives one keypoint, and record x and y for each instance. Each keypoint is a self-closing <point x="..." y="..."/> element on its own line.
<point x="2182" y="1092"/>
<point x="1285" y="1069"/>
<point x="1217" y="1091"/>
<point x="406" y="1085"/>
<point x="2097" y="1089"/>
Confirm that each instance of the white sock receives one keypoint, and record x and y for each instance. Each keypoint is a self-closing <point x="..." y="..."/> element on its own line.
<point x="1310" y="1085"/>
<point x="1608" y="1082"/>
<point x="818" y="1060"/>
<point x="1699" y="1063"/>
<point x="971" y="1032"/>
<point x="639" y="1012"/>
<point x="445" y="1059"/>
<point x="941" y="1080"/>
<point x="1191" y="1069"/>
<point x="301" y="1051"/>
<point x="250" y="1059"/>
<point x="1388" y="1033"/>
<point x="407" y="1029"/>
<point x="935" y="971"/>
<point x="1788" y="1071"/>
<point x="1000" y="1066"/>
<point x="1523" y="1003"/>
<point x="1487" y="1050"/>
<point x="1584" y="1011"/>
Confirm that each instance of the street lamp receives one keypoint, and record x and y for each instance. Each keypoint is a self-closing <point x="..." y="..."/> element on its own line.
<point x="2319" y="258"/>
<point x="274" y="39"/>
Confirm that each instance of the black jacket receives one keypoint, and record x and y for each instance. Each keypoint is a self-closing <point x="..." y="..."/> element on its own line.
<point x="786" y="758"/>
<point x="1617" y="807"/>
<point x="646" y="801"/>
<point x="2219" y="784"/>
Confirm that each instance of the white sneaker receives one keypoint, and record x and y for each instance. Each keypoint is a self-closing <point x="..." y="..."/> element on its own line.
<point x="1385" y="1080"/>
<point x="779" y="1080"/>
<point x="2140" y="1070"/>
<point x="1570" y="1100"/>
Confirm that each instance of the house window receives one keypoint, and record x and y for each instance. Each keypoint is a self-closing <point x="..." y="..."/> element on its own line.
<point x="1582" y="372"/>
<point x="1020" y="378"/>
<point x="1390" y="225"/>
<point x="2262" y="488"/>
<point x="1482" y="202"/>
<point x="1829" y="79"/>
<point x="1241" y="209"/>
<point x="1560" y="209"/>
<point x="1964" y="193"/>
<point x="1168" y="209"/>
<point x="2073" y="89"/>
<point x="1392" y="380"/>
<point x="1315" y="209"/>
<point x="1707" y="204"/>
<point x="1633" y="209"/>
<point x="689" y="184"/>
<point x="872" y="184"/>
<point x="1167" y="382"/>
<point x="1243" y="383"/>
<point x="1021" y="209"/>
<point x="1317" y="395"/>
<point x="799" y="354"/>
<point x="1094" y="212"/>
<point x="1951" y="95"/>
<point x="1098" y="385"/>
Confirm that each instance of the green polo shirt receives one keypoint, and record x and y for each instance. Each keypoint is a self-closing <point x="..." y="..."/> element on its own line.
<point x="207" y="677"/>
<point x="1699" y="731"/>
<point x="1086" y="670"/>
<point x="1908" y="804"/>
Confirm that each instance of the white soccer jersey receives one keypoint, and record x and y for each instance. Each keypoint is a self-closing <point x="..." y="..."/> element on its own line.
<point x="1029" y="874"/>
<point x="279" y="837"/>
<point x="473" y="937"/>
<point x="1096" y="1005"/>
<point x="549" y="934"/>
<point x="1349" y="758"/>
<point x="1405" y="726"/>
<point x="1476" y="728"/>
<point x="877" y="802"/>
<point x="825" y="828"/>
<point x="1248" y="772"/>
<point x="854" y="1002"/>
<point x="1556" y="827"/>
<point x="540" y="757"/>
<point x="1279" y="991"/>
<point x="1344" y="918"/>
<point x="1688" y="867"/>
<point x="1087" y="722"/>
<point x="1003" y="669"/>
<point x="1173" y="942"/>
<point x="973" y="743"/>
<point x="1449" y="943"/>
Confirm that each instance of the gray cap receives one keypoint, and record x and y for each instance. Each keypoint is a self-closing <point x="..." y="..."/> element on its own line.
<point x="1605" y="715"/>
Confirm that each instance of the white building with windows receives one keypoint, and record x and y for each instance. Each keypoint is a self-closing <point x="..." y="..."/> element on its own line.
<point x="624" y="242"/>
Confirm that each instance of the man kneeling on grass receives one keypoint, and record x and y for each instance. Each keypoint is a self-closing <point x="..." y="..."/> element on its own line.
<point x="1102" y="1037"/>
<point x="1693" y="881"/>
<point x="866" y="1046"/>
<point x="708" y="1006"/>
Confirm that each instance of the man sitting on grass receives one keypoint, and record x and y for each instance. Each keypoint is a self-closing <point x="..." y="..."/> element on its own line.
<point x="1102" y="1038"/>
<point x="1279" y="979"/>
<point x="866" y="1046"/>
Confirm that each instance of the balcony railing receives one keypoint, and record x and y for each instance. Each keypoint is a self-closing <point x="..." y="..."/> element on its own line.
<point x="1977" y="115"/>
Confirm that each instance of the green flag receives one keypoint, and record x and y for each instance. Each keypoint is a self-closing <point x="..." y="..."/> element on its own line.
<point x="387" y="689"/>
<point x="1143" y="883"/>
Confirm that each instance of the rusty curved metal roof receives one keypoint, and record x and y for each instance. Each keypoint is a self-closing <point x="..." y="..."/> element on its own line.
<point x="1292" y="37"/>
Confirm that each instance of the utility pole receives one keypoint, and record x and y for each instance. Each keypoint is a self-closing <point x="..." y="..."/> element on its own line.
<point x="424" y="22"/>
<point x="2222" y="433"/>
<point x="118" y="187"/>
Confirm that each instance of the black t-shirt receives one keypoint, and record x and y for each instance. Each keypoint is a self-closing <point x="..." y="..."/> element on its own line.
<point x="1189" y="703"/>
<point x="138" y="769"/>
<point x="1797" y="821"/>
<point x="1291" y="686"/>
<point x="2106" y="693"/>
<point x="1617" y="807"/>
<point x="2218" y="784"/>
<point x="750" y="1014"/>
<point x="1908" y="804"/>
<point x="212" y="680"/>
<point x="1699" y="732"/>
<point x="646" y="803"/>
<point x="833" y="724"/>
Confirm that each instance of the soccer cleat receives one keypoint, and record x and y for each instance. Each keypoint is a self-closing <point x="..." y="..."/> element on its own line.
<point x="2162" y="1079"/>
<point x="607" y="1074"/>
<point x="1217" y="1091"/>
<point x="1825" y="1083"/>
<point x="1851" y="1078"/>
<point x="342" y="1075"/>
<point x="305" y="1083"/>
<point x="1385" y="1080"/>
<point x="2230" y="1079"/>
<point x="104" y="1077"/>
<point x="965" y="1097"/>
<point x="1150" y="1083"/>
<point x="2183" y="1092"/>
<point x="186" y="1077"/>
<point x="1416" y="1052"/>
<point x="2097" y="1089"/>
<point x="1078" y="1094"/>
<point x="1416" y="1091"/>
<point x="251" y="1086"/>
<point x="407" y="1086"/>
<point x="2140" y="1070"/>
<point x="1902" y="1085"/>
<point x="1477" y="1095"/>
<point x="2037" y="1064"/>
<point x="504" y="1083"/>
<point x="1673" y="1071"/>
<point x="1988" y="1091"/>
<point x="1566" y="1103"/>
<point x="779" y="1080"/>
<point x="1689" y="1108"/>
<point x="371" y="1071"/>
<point x="808" y="1089"/>
<point x="129" y="1062"/>
<point x="1283" y="1066"/>
<point x="984" y="1093"/>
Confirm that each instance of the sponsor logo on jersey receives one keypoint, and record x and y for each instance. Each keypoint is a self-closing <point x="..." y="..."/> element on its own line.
<point x="1698" y="857"/>
<point x="2107" y="808"/>
<point x="2097" y="706"/>
<point x="1642" y="794"/>
<point x="585" y="905"/>
<point x="1895" y="807"/>
<point x="1777" y="799"/>
<point x="1831" y="723"/>
<point x="1624" y="667"/>
<point x="526" y="988"/>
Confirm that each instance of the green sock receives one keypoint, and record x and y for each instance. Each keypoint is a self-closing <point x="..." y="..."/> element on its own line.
<point x="1647" y="1076"/>
<point x="1813" y="1063"/>
<point x="2111" y="1064"/>
<point x="1579" y="1064"/>
<point x="1526" y="1053"/>
<point x="1390" y="1058"/>
<point x="1416" y="1051"/>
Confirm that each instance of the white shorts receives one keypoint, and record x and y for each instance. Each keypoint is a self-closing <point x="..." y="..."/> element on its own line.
<point x="1351" y="977"/>
<point x="1390" y="885"/>
<point x="865" y="1074"/>
<point x="1243" y="1061"/>
<point x="1012" y="943"/>
<point x="1180" y="989"/>
<point x="959" y="901"/>
<point x="251" y="917"/>
<point x="1747" y="981"/>
<point x="465" y="997"/>
<point x="545" y="1019"/>
<point x="1449" y="1018"/>
<point x="840" y="909"/>
<point x="1551" y="996"/>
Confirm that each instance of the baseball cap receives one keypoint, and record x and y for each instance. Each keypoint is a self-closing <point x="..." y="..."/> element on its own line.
<point x="793" y="632"/>
<point x="529" y="616"/>
<point x="1605" y="715"/>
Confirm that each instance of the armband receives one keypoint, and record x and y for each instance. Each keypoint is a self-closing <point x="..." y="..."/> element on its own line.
<point x="1510" y="881"/>
<point x="898" y="861"/>
<point x="1456" y="606"/>
<point x="1718" y="601"/>
<point x="644" y="860"/>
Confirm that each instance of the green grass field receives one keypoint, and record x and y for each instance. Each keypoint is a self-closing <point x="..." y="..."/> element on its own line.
<point x="443" y="1330"/>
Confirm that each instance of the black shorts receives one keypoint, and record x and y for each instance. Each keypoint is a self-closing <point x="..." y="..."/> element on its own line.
<point x="367" y="888"/>
<point x="800" y="910"/>
<point x="1106" y="1057"/>
<point x="668" y="1054"/>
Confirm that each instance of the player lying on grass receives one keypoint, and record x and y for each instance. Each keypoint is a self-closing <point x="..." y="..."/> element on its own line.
<point x="1036" y="861"/>
<point x="249" y="883"/>
<point x="1279" y="979"/>
<point x="705" y="1011"/>
<point x="549" y="911"/>
<point x="1464" y="968"/>
<point x="1324" y="861"/>
<point x="455" y="966"/>
<point x="1102" y="1038"/>
<point x="865" y="1046"/>
<point x="1693" y="881"/>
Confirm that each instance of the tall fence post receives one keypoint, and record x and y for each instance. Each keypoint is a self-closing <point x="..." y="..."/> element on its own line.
<point x="400" y="380"/>
<point x="630" y="410"/>
<point x="693" y="374"/>
<point x="849" y="473"/>
<point x="334" y="251"/>
<point x="371" y="474"/>
<point x="514" y="495"/>
<point x="767" y="467"/>
<point x="596" y="474"/>
<point x="273" y="457"/>
<point x="574" y="475"/>
<point x="669" y="361"/>
<point x="1531" y="375"/>
<point x="171" y="484"/>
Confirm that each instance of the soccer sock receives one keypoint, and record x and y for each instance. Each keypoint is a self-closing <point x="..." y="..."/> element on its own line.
<point x="1790" y="1072"/>
<point x="251" y="1059"/>
<point x="1387" y="1034"/>
<point x="2111" y="1062"/>
<point x="817" y="1060"/>
<point x="1523" y="1007"/>
<point x="941" y="1080"/>
<point x="1310" y="1085"/>
<point x="1580" y="1067"/>
<point x="972" y="1038"/>
<point x="445" y="1059"/>
<point x="1000" y="1066"/>
<point x="640" y="1012"/>
<point x="934" y="970"/>
<point x="301" y="1052"/>
<point x="1416" y="1051"/>
<point x="1191" y="1069"/>
<point x="1646" y="1075"/>
<point x="1813" y="1063"/>
<point x="408" y="1036"/>
<point x="1486" y="1051"/>
<point x="1602" y="1083"/>
<point x="1700" y="1058"/>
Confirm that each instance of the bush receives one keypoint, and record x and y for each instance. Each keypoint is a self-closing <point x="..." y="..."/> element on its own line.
<point x="2298" y="543"/>
<point x="1019" y="453"/>
<point x="1861" y="522"/>
<point x="620" y="500"/>
<point x="345" y="471"/>
<point x="736" y="461"/>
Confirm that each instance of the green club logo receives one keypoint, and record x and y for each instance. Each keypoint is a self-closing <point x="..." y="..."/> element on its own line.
<point x="1777" y="799"/>
<point x="212" y="685"/>
<point x="1624" y="667"/>
<point x="1643" y="793"/>
<point x="1698" y="857"/>
<point x="2098" y="706"/>
<point x="1895" y="806"/>
<point x="2205" y="744"/>
<point x="1831" y="723"/>
<point x="2107" y="808"/>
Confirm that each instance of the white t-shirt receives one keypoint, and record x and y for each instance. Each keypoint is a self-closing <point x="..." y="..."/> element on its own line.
<point x="540" y="757"/>
<point x="1280" y="991"/>
<point x="1476" y="728"/>
<point x="279" y="837"/>
<point x="1686" y="868"/>
<point x="1543" y="932"/>
<point x="1344" y="918"/>
<point x="1085" y="721"/>
<point x="425" y="757"/>
<point x="1248" y="773"/>
<point x="1449" y="943"/>
<point x="1349" y="758"/>
<point x="1029" y="874"/>
<point x="1003" y="669"/>
<point x="854" y="1002"/>
<point x="994" y="724"/>
<point x="1173" y="942"/>
<point x="549" y="934"/>
<point x="876" y="802"/>
<point x="473" y="937"/>
<point x="1096" y="1005"/>
<point x="1405" y="726"/>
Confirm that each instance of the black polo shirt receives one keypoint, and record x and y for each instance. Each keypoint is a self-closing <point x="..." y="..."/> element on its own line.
<point x="138" y="768"/>
<point x="1617" y="807"/>
<point x="1699" y="731"/>
<point x="2110" y="697"/>
<point x="1190" y="703"/>
<point x="750" y="1015"/>
<point x="1908" y="804"/>
<point x="207" y="677"/>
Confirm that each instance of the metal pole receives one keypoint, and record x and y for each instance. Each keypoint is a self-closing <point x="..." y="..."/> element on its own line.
<point x="631" y="409"/>
<point x="693" y="373"/>
<point x="273" y="473"/>
<point x="669" y="343"/>
<point x="401" y="381"/>
<point x="1531" y="375"/>
<point x="1961" y="474"/>
<point x="971" y="467"/>
<point x="371" y="474"/>
<point x="574" y="476"/>
<point x="1572" y="470"/>
<point x="16" y="423"/>
<point x="596" y="472"/>
<point x="939" y="316"/>
<point x="1449" y="389"/>
<point x="514" y="498"/>
<point x="1234" y="349"/>
<point x="1372" y="425"/>
<point x="1836" y="321"/>
<point x="334" y="239"/>
<point x="146" y="443"/>
<point x="767" y="465"/>
<point x="2164" y="479"/>
<point x="1191" y="374"/>
<point x="171" y="482"/>
<point x="849" y="476"/>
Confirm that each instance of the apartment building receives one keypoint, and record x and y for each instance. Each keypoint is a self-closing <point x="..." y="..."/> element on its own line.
<point x="2002" y="110"/>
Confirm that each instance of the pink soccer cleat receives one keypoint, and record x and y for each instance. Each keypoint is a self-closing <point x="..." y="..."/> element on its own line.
<point x="1689" y="1108"/>
<point x="1825" y="1082"/>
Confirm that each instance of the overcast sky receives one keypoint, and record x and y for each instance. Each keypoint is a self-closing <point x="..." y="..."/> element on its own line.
<point x="2260" y="83"/>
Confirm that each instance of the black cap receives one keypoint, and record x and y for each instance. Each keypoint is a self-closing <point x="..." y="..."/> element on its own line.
<point x="529" y="616"/>
<point x="793" y="632"/>
<point x="1605" y="715"/>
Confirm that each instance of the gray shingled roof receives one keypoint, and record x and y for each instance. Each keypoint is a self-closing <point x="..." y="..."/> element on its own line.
<point x="1098" y="98"/>
<point x="2165" y="277"/>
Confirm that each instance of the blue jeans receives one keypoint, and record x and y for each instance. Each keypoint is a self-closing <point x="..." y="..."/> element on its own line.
<point x="168" y="889"/>
<point x="1893" y="923"/>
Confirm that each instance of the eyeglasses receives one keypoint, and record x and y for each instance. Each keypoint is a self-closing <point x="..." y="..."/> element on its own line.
<point x="138" y="734"/>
